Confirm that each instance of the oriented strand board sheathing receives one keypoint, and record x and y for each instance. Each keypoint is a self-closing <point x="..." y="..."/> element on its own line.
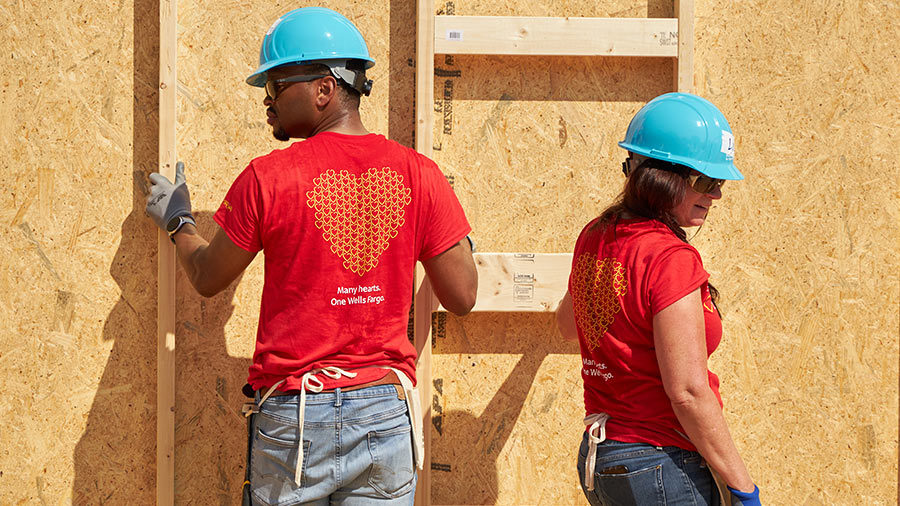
<point x="804" y="251"/>
<point x="77" y="346"/>
<point x="505" y="410"/>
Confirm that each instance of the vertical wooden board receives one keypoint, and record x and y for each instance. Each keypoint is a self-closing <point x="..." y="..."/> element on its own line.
<point x="805" y="250"/>
<point x="78" y="299"/>
<point x="222" y="126"/>
<point x="165" y="264"/>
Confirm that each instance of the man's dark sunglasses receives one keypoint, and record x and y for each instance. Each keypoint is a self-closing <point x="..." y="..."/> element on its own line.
<point x="272" y="88"/>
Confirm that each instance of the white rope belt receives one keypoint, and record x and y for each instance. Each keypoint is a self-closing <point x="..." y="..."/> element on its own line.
<point x="597" y="421"/>
<point x="313" y="384"/>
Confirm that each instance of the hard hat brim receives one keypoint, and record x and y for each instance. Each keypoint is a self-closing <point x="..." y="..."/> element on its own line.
<point x="260" y="76"/>
<point x="726" y="170"/>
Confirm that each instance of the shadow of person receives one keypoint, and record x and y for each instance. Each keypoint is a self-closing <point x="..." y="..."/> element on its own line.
<point x="115" y="459"/>
<point x="210" y="431"/>
<point x="466" y="448"/>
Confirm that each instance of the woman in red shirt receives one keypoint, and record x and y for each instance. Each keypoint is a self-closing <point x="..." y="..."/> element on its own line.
<point x="641" y="306"/>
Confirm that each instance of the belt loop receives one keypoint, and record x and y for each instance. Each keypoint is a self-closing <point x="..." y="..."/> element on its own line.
<point x="338" y="399"/>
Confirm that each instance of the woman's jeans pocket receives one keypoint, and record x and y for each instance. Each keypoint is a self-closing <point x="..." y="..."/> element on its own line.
<point x="628" y="474"/>
<point x="640" y="487"/>
<point x="392" y="471"/>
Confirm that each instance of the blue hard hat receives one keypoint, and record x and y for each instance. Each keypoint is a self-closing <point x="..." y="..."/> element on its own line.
<point x="312" y="35"/>
<point x="685" y="129"/>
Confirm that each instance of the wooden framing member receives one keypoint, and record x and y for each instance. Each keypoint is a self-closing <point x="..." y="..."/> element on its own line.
<point x="514" y="282"/>
<point x="684" y="61"/>
<point x="502" y="279"/>
<point x="424" y="297"/>
<point x="513" y="35"/>
<point x="165" y="355"/>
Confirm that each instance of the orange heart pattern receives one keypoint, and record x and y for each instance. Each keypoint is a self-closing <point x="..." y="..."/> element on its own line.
<point x="358" y="216"/>
<point x="596" y="286"/>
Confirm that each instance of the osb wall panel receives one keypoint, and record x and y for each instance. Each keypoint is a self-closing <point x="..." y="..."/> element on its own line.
<point x="78" y="298"/>
<point x="806" y="247"/>
<point x="803" y="251"/>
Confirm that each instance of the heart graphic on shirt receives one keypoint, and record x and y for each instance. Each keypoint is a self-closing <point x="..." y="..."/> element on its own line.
<point x="359" y="215"/>
<point x="596" y="287"/>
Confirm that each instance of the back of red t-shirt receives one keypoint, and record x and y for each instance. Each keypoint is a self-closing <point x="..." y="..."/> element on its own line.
<point x="621" y="276"/>
<point x="341" y="220"/>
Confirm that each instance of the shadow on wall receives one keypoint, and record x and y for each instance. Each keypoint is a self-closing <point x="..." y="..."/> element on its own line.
<point x="466" y="448"/>
<point x="115" y="459"/>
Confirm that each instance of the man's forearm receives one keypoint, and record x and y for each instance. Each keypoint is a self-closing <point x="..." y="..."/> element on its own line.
<point x="190" y="246"/>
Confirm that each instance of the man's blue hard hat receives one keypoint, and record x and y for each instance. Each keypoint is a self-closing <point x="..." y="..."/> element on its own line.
<point x="312" y="35"/>
<point x="685" y="129"/>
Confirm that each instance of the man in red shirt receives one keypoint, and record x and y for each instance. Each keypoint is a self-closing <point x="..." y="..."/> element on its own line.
<point x="342" y="218"/>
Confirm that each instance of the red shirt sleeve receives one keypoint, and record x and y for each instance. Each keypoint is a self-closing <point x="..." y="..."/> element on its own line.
<point x="240" y="213"/>
<point x="677" y="272"/>
<point x="445" y="222"/>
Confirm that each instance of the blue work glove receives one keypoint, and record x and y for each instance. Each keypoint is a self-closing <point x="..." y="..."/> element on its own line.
<point x="739" y="498"/>
<point x="168" y="201"/>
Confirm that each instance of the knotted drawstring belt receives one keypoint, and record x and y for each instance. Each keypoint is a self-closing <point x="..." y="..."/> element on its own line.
<point x="597" y="422"/>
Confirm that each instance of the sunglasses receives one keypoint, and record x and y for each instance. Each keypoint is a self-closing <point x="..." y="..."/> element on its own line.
<point x="273" y="88"/>
<point x="704" y="184"/>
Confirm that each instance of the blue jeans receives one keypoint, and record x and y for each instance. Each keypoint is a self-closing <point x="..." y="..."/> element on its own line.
<point x="357" y="449"/>
<point x="640" y="474"/>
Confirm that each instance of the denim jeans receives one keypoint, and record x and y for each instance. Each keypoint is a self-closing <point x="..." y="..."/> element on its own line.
<point x="357" y="449"/>
<point x="639" y="474"/>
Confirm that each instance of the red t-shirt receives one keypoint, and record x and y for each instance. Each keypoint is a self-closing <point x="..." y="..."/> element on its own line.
<point x="621" y="277"/>
<point x="342" y="220"/>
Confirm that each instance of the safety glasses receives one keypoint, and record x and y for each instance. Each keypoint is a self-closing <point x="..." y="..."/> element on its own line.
<point x="704" y="184"/>
<point x="273" y="88"/>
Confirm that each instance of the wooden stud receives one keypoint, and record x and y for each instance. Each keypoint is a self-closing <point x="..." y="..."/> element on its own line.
<point x="684" y="62"/>
<point x="515" y="35"/>
<point x="165" y="356"/>
<point x="424" y="76"/>
<point x="425" y="305"/>
<point x="424" y="296"/>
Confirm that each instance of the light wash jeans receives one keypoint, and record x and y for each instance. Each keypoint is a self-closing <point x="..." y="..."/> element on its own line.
<point x="637" y="474"/>
<point x="357" y="450"/>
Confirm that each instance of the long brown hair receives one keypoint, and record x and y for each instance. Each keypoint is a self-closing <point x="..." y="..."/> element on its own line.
<point x="653" y="189"/>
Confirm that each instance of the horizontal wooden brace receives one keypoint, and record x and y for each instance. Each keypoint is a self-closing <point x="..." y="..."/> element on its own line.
<point x="520" y="281"/>
<point x="517" y="35"/>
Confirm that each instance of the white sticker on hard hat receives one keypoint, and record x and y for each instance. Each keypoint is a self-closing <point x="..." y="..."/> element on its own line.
<point x="272" y="28"/>
<point x="728" y="145"/>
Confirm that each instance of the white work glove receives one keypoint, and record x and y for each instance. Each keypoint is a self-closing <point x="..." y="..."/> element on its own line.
<point x="166" y="200"/>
